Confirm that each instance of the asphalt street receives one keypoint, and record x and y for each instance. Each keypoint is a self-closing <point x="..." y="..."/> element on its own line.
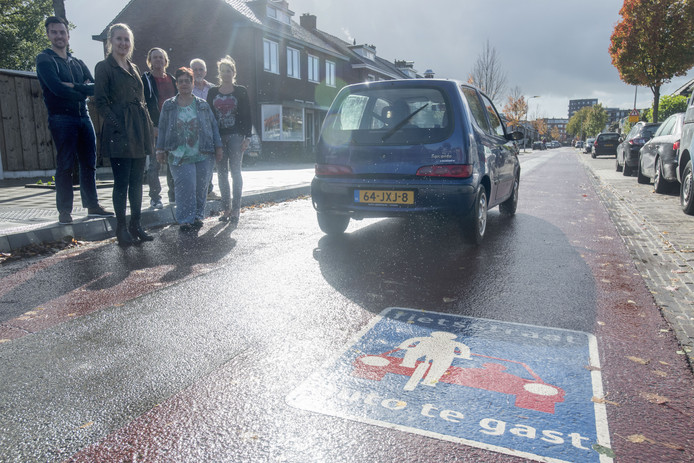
<point x="241" y="344"/>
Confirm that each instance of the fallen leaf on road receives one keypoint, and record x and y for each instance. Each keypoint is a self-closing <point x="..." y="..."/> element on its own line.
<point x="654" y="398"/>
<point x="660" y="373"/>
<point x="630" y="302"/>
<point x="86" y="425"/>
<point x="639" y="360"/>
<point x="639" y="439"/>
<point x="672" y="446"/>
<point x="672" y="288"/>
<point x="4" y="340"/>
<point x="598" y="400"/>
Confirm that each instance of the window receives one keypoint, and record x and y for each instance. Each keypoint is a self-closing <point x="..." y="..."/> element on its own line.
<point x="278" y="15"/>
<point x="313" y="68"/>
<point x="293" y="63"/>
<point x="282" y="123"/>
<point x="476" y="108"/>
<point x="330" y="74"/>
<point x="494" y="119"/>
<point x="271" y="56"/>
<point x="370" y="78"/>
<point x="385" y="116"/>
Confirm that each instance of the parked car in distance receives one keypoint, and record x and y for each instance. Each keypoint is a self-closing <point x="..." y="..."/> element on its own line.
<point x="589" y="145"/>
<point x="405" y="148"/>
<point x="538" y="145"/>
<point x="684" y="160"/>
<point x="605" y="144"/>
<point x="658" y="157"/>
<point x="555" y="144"/>
<point x="579" y="144"/>
<point x="628" y="150"/>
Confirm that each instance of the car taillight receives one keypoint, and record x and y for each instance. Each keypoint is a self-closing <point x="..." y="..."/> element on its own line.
<point x="451" y="170"/>
<point x="676" y="145"/>
<point x="595" y="143"/>
<point x="637" y="141"/>
<point x="332" y="169"/>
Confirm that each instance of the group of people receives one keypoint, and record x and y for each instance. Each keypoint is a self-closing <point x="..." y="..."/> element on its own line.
<point x="179" y="120"/>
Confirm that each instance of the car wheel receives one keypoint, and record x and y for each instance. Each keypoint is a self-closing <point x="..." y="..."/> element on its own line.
<point x="642" y="179"/>
<point x="592" y="155"/>
<point x="659" y="182"/>
<point x="476" y="222"/>
<point x="509" y="206"/>
<point x="687" y="190"/>
<point x="618" y="166"/>
<point x="332" y="224"/>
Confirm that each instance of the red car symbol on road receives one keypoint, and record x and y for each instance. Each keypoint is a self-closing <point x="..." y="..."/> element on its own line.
<point x="532" y="394"/>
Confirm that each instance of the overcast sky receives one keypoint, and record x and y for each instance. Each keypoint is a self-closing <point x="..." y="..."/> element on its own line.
<point x="557" y="49"/>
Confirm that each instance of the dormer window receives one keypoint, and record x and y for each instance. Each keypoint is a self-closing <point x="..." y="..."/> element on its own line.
<point x="278" y="15"/>
<point x="367" y="51"/>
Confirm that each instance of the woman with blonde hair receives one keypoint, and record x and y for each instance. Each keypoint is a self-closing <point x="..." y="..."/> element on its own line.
<point x="232" y="110"/>
<point x="126" y="134"/>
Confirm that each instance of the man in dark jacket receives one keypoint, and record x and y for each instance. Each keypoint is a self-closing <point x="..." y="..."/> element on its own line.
<point x="159" y="87"/>
<point x="66" y="83"/>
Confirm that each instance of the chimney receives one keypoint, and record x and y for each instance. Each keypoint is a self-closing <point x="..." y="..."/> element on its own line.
<point x="308" y="21"/>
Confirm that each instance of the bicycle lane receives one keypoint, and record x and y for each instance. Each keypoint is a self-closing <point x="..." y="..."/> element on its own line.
<point x="239" y="412"/>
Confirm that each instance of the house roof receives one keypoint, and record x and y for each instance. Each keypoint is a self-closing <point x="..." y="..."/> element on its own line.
<point x="379" y="64"/>
<point x="685" y="89"/>
<point x="293" y="32"/>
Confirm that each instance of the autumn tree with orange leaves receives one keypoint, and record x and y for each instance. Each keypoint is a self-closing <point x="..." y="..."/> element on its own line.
<point x="516" y="108"/>
<point x="653" y="42"/>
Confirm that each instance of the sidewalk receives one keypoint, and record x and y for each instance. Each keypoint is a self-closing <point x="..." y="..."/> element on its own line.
<point x="28" y="215"/>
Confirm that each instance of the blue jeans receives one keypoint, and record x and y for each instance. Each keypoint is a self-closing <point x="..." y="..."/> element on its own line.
<point x="128" y="174"/>
<point x="190" y="182"/>
<point x="74" y="139"/>
<point x="231" y="161"/>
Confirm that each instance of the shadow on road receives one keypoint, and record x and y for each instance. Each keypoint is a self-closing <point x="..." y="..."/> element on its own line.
<point x="525" y="271"/>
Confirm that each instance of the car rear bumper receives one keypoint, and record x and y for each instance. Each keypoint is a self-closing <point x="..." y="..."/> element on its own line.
<point x="600" y="151"/>
<point x="446" y="197"/>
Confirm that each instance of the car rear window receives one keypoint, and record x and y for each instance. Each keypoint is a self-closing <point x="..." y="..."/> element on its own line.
<point x="649" y="130"/>
<point x="608" y="137"/>
<point x="387" y="116"/>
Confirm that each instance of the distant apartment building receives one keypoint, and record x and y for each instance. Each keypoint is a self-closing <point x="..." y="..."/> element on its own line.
<point x="614" y="116"/>
<point x="560" y="124"/>
<point x="576" y="105"/>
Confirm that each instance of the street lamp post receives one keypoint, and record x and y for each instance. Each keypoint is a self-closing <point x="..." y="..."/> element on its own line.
<point x="525" y="126"/>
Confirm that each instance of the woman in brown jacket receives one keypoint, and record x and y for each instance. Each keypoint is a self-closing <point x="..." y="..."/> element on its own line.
<point x="126" y="133"/>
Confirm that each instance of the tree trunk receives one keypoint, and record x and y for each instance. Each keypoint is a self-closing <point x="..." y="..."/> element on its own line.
<point x="59" y="8"/>
<point x="656" y="102"/>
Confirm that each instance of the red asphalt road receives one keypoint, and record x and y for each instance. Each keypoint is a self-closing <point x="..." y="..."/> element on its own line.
<point x="648" y="386"/>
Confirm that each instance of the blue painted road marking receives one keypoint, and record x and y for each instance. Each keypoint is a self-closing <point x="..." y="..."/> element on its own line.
<point x="511" y="388"/>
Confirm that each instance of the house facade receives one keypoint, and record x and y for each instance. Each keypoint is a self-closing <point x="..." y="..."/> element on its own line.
<point x="291" y="69"/>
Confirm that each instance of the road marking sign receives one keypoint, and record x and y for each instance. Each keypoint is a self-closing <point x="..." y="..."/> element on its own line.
<point x="516" y="389"/>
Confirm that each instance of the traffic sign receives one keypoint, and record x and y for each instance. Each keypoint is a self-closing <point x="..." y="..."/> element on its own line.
<point x="521" y="390"/>
<point x="634" y="115"/>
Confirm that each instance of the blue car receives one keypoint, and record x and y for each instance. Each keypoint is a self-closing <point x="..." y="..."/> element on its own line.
<point x="401" y="148"/>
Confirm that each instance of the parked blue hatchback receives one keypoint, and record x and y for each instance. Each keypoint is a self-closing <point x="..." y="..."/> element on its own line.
<point x="400" y="148"/>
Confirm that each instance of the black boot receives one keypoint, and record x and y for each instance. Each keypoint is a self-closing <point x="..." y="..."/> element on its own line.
<point x="138" y="232"/>
<point x="123" y="235"/>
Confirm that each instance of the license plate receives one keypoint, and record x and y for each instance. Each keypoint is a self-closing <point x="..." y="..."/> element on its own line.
<point x="608" y="145"/>
<point x="383" y="197"/>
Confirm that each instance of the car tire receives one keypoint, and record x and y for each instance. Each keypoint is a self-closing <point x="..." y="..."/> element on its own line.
<point x="509" y="206"/>
<point x="659" y="183"/>
<point x="475" y="223"/>
<point x="618" y="166"/>
<point x="332" y="224"/>
<point x="626" y="171"/>
<point x="642" y="179"/>
<point x="592" y="155"/>
<point x="687" y="190"/>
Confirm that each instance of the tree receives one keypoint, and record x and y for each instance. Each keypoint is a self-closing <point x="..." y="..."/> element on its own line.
<point x="596" y="120"/>
<point x="516" y="108"/>
<point x="540" y="126"/>
<point x="487" y="74"/>
<point x="653" y="42"/>
<point x="555" y="133"/>
<point x="578" y="122"/>
<point x="22" y="34"/>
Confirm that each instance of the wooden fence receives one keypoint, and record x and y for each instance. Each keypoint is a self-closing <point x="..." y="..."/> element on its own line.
<point x="26" y="146"/>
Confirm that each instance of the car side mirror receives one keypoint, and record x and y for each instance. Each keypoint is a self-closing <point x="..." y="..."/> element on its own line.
<point x="515" y="135"/>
